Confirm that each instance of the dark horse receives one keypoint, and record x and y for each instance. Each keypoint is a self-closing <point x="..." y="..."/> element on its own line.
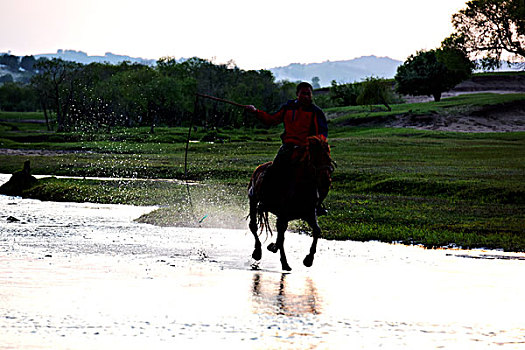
<point x="290" y="194"/>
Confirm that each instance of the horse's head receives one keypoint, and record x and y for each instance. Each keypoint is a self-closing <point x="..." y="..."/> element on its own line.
<point x="319" y="151"/>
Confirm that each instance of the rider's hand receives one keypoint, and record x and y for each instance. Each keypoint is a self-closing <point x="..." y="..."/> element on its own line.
<point x="250" y="108"/>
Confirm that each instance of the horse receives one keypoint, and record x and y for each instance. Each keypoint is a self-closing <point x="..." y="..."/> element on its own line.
<point x="290" y="195"/>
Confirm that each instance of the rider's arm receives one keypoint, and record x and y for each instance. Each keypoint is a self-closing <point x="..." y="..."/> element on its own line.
<point x="271" y="119"/>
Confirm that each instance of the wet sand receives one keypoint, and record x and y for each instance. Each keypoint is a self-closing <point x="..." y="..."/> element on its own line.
<point x="85" y="276"/>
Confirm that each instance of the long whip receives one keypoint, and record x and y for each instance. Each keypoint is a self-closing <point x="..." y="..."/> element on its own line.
<point x="221" y="100"/>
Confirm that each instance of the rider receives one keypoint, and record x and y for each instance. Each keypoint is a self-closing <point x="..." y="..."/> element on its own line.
<point x="301" y="118"/>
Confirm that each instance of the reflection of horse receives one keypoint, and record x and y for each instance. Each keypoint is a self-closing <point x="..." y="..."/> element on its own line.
<point x="284" y="297"/>
<point x="291" y="195"/>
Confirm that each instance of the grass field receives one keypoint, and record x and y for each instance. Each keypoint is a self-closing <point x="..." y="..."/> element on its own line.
<point x="438" y="189"/>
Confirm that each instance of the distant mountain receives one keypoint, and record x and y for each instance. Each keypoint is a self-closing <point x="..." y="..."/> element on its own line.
<point x="84" y="58"/>
<point x="348" y="71"/>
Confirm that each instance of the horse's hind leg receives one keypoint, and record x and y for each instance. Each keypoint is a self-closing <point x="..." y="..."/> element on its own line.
<point x="316" y="233"/>
<point x="282" y="225"/>
<point x="257" y="252"/>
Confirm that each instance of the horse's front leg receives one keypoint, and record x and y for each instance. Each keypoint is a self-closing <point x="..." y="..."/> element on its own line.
<point x="316" y="233"/>
<point x="282" y="225"/>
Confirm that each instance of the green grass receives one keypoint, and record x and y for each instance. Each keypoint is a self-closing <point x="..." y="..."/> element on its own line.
<point x="120" y="140"/>
<point x="394" y="185"/>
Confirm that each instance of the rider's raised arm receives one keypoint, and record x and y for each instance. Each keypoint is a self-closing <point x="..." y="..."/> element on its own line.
<point x="270" y="118"/>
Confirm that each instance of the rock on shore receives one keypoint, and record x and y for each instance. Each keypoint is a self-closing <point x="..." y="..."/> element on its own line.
<point x="19" y="181"/>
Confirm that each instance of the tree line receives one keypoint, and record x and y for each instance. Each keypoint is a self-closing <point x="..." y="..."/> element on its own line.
<point x="95" y="96"/>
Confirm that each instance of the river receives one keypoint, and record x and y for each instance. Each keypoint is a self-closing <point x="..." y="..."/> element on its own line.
<point x="86" y="276"/>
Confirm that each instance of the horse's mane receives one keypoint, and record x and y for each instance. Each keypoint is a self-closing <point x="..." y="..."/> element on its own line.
<point x="320" y="145"/>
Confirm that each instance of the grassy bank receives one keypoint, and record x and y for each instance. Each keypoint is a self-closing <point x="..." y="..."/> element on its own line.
<point x="462" y="104"/>
<point x="394" y="185"/>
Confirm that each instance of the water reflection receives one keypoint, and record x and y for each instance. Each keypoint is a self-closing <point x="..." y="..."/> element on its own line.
<point x="285" y="295"/>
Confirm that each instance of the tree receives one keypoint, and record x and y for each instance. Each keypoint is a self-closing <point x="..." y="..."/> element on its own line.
<point x="129" y="93"/>
<point x="344" y="94"/>
<point x="18" y="97"/>
<point x="92" y="107"/>
<point x="10" y="61"/>
<point x="495" y="28"/>
<point x="56" y="80"/>
<point x="315" y="83"/>
<point x="43" y="89"/>
<point x="432" y="72"/>
<point x="374" y="91"/>
<point x="28" y="63"/>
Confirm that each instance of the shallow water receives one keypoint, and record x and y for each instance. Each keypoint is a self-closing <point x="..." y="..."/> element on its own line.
<point x="85" y="276"/>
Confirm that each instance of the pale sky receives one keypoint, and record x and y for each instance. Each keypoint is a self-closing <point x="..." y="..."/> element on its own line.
<point x="255" y="34"/>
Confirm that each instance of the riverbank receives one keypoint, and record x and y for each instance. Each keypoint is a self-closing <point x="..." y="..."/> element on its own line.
<point x="433" y="189"/>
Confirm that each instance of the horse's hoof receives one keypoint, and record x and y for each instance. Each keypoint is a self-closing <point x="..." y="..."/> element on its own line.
<point x="257" y="254"/>
<point x="273" y="247"/>
<point x="286" y="267"/>
<point x="308" y="260"/>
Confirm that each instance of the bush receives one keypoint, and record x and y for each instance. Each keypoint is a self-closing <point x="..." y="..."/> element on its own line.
<point x="344" y="94"/>
<point x="376" y="91"/>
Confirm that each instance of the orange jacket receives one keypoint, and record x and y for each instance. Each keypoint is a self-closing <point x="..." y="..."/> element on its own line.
<point x="299" y="123"/>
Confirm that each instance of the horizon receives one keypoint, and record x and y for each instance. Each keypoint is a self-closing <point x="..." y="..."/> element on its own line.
<point x="178" y="58"/>
<point x="211" y="59"/>
<point x="230" y="30"/>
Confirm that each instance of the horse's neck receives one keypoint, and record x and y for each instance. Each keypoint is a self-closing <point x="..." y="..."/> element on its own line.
<point x="319" y="162"/>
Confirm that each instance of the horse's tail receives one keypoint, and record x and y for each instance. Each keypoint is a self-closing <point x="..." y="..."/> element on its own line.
<point x="257" y="210"/>
<point x="262" y="221"/>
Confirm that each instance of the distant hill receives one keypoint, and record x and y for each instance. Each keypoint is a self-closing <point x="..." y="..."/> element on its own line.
<point x="84" y="58"/>
<point x="348" y="71"/>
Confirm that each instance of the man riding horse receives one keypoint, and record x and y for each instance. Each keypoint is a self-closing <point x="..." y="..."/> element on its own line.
<point x="294" y="185"/>
<point x="301" y="119"/>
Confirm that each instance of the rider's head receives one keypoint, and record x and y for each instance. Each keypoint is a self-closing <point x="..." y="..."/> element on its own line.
<point x="304" y="93"/>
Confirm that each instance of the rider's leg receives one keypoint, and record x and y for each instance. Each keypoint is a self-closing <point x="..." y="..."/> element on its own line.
<point x="279" y="171"/>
